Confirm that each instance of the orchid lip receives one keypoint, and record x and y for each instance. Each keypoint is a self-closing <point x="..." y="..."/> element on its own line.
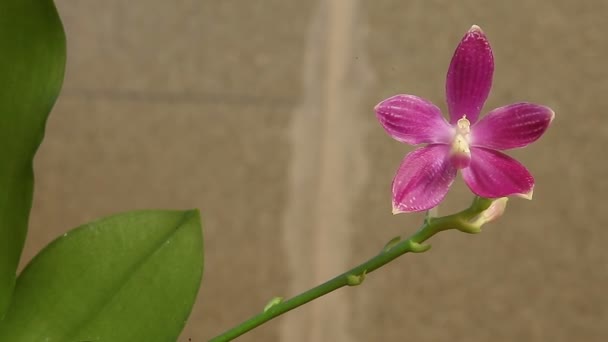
<point x="460" y="153"/>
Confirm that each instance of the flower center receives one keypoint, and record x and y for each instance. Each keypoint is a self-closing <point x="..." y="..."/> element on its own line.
<point x="461" y="153"/>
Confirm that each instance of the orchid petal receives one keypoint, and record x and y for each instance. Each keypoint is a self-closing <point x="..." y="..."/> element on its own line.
<point x="511" y="126"/>
<point x="469" y="77"/>
<point x="423" y="179"/>
<point x="413" y="120"/>
<point x="493" y="174"/>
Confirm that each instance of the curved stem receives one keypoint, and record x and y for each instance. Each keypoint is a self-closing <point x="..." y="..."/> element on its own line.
<point x="357" y="274"/>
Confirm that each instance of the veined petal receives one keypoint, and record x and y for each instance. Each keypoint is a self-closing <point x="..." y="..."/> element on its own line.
<point x="493" y="174"/>
<point x="511" y="126"/>
<point x="469" y="77"/>
<point x="423" y="179"/>
<point x="413" y="120"/>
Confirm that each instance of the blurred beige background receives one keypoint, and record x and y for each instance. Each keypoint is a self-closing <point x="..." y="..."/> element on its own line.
<point x="260" y="114"/>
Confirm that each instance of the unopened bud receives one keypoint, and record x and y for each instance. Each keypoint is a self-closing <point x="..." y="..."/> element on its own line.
<point x="494" y="211"/>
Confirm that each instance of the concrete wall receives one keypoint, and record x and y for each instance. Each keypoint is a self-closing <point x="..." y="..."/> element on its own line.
<point x="260" y="114"/>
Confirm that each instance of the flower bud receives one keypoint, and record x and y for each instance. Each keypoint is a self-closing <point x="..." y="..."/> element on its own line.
<point x="494" y="211"/>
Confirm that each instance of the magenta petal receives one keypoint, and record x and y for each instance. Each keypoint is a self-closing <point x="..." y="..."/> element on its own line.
<point x="423" y="179"/>
<point x="511" y="126"/>
<point x="493" y="174"/>
<point x="469" y="77"/>
<point x="413" y="120"/>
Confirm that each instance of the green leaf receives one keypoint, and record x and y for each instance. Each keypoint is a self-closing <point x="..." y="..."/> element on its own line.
<point x="129" y="277"/>
<point x="32" y="63"/>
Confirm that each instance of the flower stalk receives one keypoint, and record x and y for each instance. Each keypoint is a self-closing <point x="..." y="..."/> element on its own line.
<point x="463" y="221"/>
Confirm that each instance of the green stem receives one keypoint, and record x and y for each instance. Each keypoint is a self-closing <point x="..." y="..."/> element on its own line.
<point x="357" y="274"/>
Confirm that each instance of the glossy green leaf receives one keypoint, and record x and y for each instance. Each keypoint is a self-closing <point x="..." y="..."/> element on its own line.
<point x="129" y="277"/>
<point x="32" y="62"/>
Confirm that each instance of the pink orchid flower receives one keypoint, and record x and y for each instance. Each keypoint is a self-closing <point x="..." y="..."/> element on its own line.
<point x="464" y="144"/>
